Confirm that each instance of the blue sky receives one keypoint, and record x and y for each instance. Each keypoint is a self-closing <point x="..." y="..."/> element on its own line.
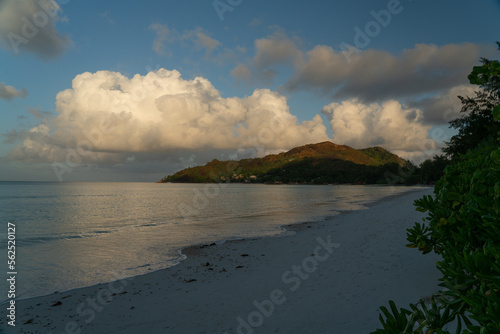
<point x="219" y="73"/>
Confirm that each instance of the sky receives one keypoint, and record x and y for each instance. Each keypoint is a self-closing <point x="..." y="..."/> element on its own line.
<point x="134" y="91"/>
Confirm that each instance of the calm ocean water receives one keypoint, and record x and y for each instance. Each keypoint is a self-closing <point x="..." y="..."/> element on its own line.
<point x="71" y="235"/>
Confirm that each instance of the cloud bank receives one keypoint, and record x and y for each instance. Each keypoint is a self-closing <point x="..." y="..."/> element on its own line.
<point x="370" y="75"/>
<point x="29" y="26"/>
<point x="108" y="118"/>
<point x="376" y="75"/>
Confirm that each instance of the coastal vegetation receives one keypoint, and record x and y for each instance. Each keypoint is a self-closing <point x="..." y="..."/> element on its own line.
<point x="463" y="224"/>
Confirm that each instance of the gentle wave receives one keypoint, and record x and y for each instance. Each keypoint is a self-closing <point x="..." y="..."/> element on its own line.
<point x="90" y="234"/>
<point x="40" y="240"/>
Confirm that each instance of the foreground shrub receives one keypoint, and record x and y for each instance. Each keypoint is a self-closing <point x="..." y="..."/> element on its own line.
<point x="463" y="226"/>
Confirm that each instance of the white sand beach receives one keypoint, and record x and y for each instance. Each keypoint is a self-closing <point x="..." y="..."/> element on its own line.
<point x="329" y="277"/>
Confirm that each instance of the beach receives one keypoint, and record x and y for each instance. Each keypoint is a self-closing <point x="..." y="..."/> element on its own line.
<point x="328" y="277"/>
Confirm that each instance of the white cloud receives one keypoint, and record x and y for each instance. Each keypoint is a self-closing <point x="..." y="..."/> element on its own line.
<point x="29" y="26"/>
<point x="388" y="125"/>
<point x="109" y="118"/>
<point x="9" y="92"/>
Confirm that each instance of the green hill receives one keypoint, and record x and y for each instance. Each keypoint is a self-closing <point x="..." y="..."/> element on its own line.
<point x="324" y="162"/>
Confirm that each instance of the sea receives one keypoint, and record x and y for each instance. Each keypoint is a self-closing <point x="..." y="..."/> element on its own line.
<point x="70" y="234"/>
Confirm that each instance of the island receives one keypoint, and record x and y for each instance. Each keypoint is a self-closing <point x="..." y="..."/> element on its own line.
<point x="321" y="163"/>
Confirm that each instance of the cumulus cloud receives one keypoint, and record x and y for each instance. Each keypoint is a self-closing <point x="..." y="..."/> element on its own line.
<point x="199" y="38"/>
<point x="29" y="26"/>
<point x="9" y="92"/>
<point x="388" y="125"/>
<point x="443" y="107"/>
<point x="108" y="118"/>
<point x="375" y="75"/>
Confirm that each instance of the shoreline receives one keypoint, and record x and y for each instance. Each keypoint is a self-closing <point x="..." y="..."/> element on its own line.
<point x="203" y="269"/>
<point x="284" y="230"/>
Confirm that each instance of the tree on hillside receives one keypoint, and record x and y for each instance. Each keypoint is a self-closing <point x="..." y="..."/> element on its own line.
<point x="477" y="123"/>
